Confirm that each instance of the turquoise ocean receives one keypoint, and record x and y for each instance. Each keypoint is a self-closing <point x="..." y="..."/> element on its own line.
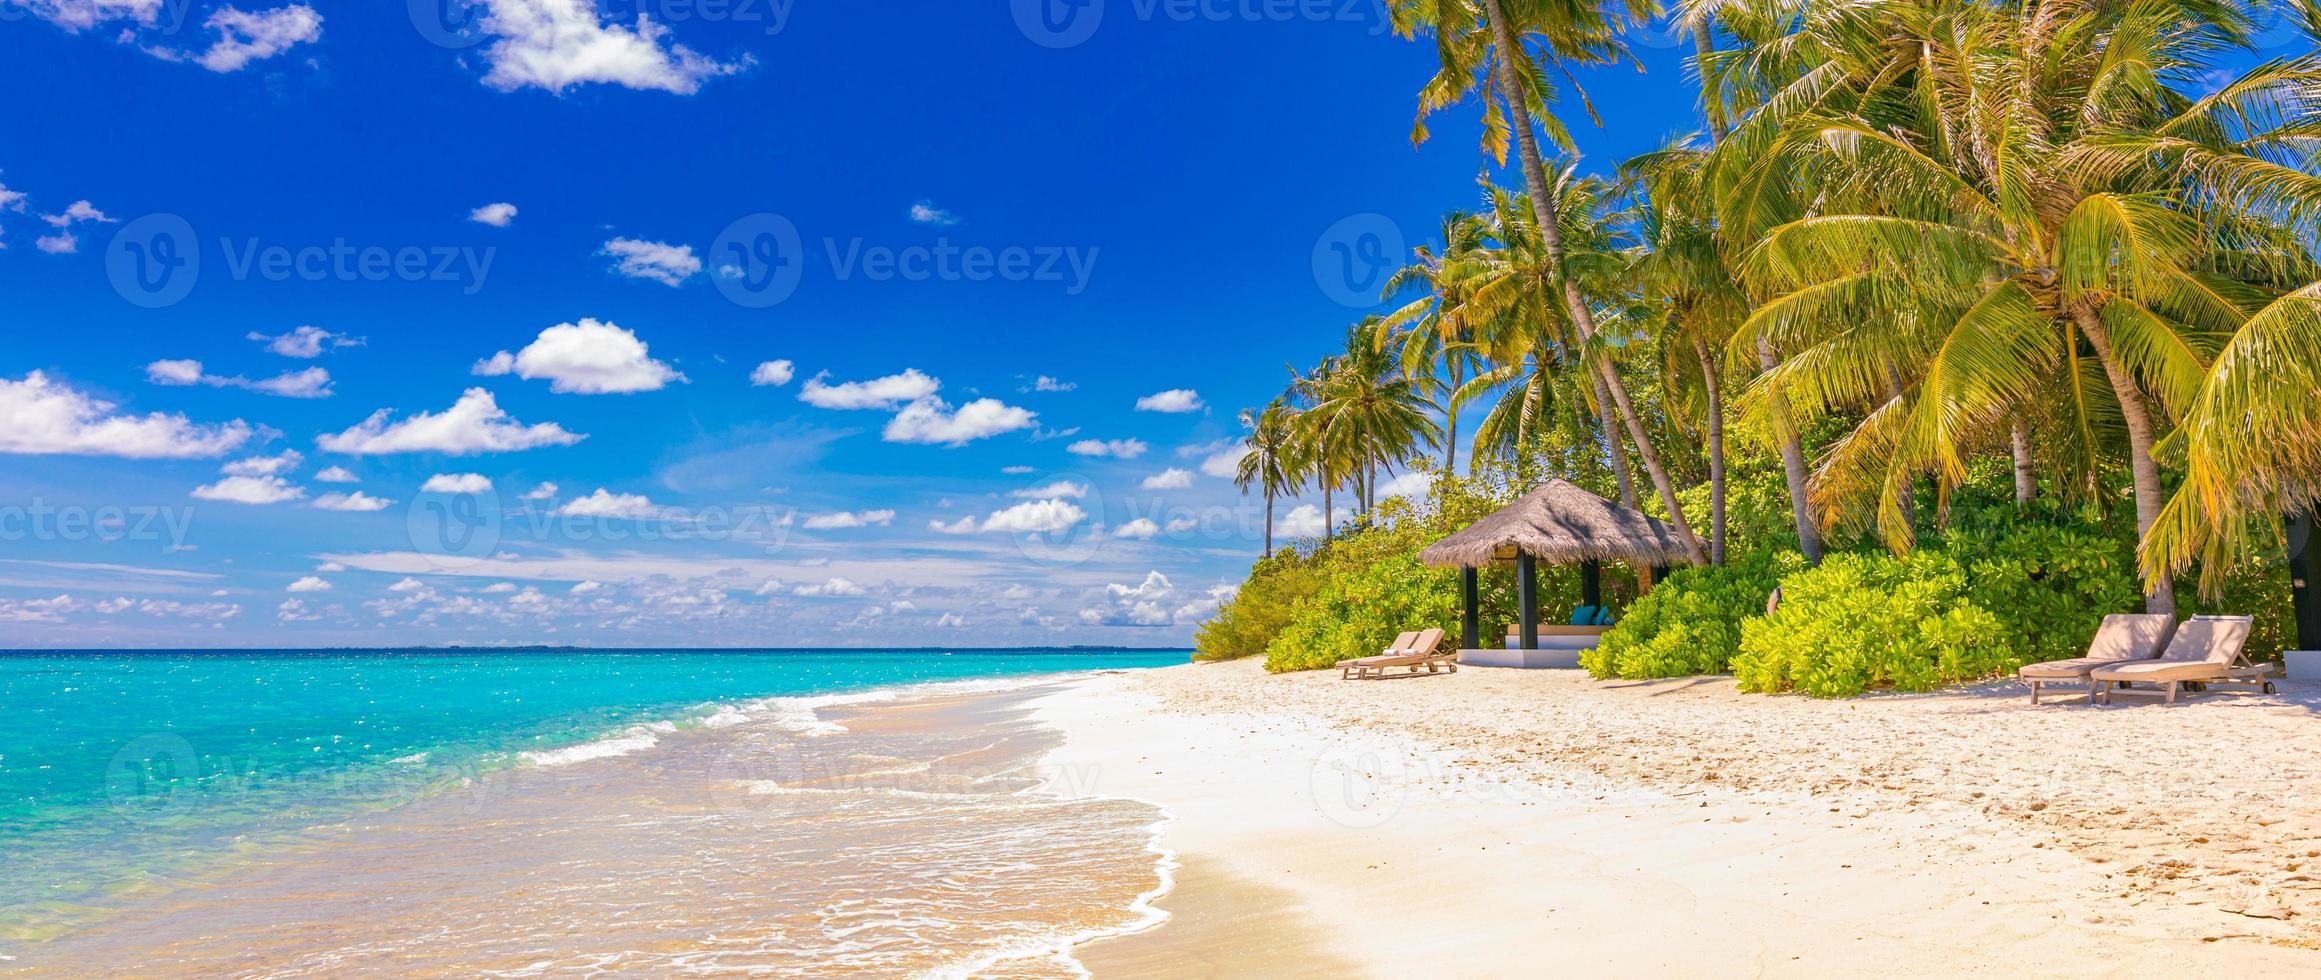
<point x="126" y="773"/>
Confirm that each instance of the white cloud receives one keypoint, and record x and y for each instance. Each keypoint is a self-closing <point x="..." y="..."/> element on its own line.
<point x="606" y="504"/>
<point x="926" y="213"/>
<point x="1060" y="488"/>
<point x="1047" y="384"/>
<point x="46" y="418"/>
<point x="310" y="584"/>
<point x="250" y="490"/>
<point x="407" y="585"/>
<point x="1413" y="484"/>
<point x="1140" y="529"/>
<point x="770" y="586"/>
<point x="1018" y="470"/>
<point x="499" y="588"/>
<point x="308" y="383"/>
<point x="274" y="465"/>
<point x="456" y="483"/>
<point x="498" y="215"/>
<point x="337" y="474"/>
<point x="1143" y="604"/>
<point x="79" y="15"/>
<point x="584" y="588"/>
<point x="1175" y="401"/>
<point x="1305" y="521"/>
<point x="964" y="525"/>
<point x="1035" y="517"/>
<point x="773" y="374"/>
<point x="1225" y="464"/>
<point x="1169" y="479"/>
<point x="833" y="588"/>
<point x="585" y="358"/>
<point x="556" y="44"/>
<point x="888" y="392"/>
<point x="245" y="37"/>
<point x="1115" y="448"/>
<point x="929" y="421"/>
<point x="950" y="620"/>
<point x="357" y="502"/>
<point x="545" y="491"/>
<point x="846" y="519"/>
<point x="305" y="342"/>
<point x="1180" y="525"/>
<point x="660" y="262"/>
<point x="64" y="242"/>
<point x="474" y="424"/>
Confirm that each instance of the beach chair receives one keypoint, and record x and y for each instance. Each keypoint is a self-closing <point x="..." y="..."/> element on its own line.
<point x="2205" y="650"/>
<point x="1420" y="652"/>
<point x="2123" y="638"/>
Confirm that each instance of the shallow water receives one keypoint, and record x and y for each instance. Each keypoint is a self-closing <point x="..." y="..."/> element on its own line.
<point x="880" y="836"/>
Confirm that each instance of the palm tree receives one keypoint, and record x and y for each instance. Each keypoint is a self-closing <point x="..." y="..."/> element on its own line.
<point x="1367" y="413"/>
<point x="1481" y="51"/>
<point x="1421" y="333"/>
<point x="1271" y="462"/>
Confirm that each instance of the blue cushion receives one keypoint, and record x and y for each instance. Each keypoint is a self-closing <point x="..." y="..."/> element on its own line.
<point x="1604" y="616"/>
<point x="1585" y="616"/>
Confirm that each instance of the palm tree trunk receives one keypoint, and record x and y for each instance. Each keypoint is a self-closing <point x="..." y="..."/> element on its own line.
<point x="1792" y="464"/>
<point x="1451" y="419"/>
<point x="1328" y="527"/>
<point x="2026" y="478"/>
<point x="1614" y="453"/>
<point x="1708" y="373"/>
<point x="2159" y="593"/>
<point x="1903" y="498"/>
<point x="1268" y="524"/>
<point x="1551" y="236"/>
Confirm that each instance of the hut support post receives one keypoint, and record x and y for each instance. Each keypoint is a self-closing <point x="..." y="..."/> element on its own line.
<point x="1470" y="630"/>
<point x="1527" y="600"/>
<point x="1592" y="584"/>
<point x="2304" y="593"/>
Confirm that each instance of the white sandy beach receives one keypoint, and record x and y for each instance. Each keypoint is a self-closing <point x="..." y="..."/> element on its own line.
<point x="1497" y="822"/>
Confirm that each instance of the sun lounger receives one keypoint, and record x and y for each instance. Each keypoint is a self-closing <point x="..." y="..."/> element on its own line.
<point x="2205" y="650"/>
<point x="1421" y="652"/>
<point x="2123" y="638"/>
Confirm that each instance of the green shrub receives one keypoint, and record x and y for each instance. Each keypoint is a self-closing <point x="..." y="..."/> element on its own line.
<point x="1864" y="622"/>
<point x="1244" y="624"/>
<point x="1690" y="623"/>
<point x="1359" y="611"/>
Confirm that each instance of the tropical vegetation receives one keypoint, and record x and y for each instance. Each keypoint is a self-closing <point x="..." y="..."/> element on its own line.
<point x="1963" y="322"/>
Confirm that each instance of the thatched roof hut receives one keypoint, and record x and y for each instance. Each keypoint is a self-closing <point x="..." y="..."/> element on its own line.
<point x="1561" y="524"/>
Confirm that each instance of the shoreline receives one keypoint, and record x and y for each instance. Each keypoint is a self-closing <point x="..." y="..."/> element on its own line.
<point x="1447" y="826"/>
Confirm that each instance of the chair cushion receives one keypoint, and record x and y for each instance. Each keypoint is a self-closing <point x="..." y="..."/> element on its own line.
<point x="1584" y="616"/>
<point x="2072" y="669"/>
<point x="2159" y="671"/>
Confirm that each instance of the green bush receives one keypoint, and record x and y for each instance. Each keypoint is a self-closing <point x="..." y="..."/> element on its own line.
<point x="1359" y="611"/>
<point x="1244" y="624"/>
<point x="1690" y="623"/>
<point x="1865" y="622"/>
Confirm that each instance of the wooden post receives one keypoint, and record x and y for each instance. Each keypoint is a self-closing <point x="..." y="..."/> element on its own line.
<point x="1527" y="600"/>
<point x="1470" y="628"/>
<point x="1592" y="584"/>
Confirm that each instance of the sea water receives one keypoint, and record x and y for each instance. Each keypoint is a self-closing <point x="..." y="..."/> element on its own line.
<point x="310" y="811"/>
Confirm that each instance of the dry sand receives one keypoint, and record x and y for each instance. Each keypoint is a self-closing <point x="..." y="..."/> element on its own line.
<point x="1502" y="822"/>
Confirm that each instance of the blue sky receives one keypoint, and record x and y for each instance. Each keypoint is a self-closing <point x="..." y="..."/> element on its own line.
<point x="1135" y="210"/>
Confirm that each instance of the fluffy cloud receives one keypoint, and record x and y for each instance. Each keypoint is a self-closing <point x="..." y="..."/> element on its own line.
<point x="1175" y="401"/>
<point x="584" y="588"/>
<point x="1413" y="485"/>
<point x="850" y="519"/>
<point x="556" y="44"/>
<point x="305" y="343"/>
<point x="1224" y="464"/>
<point x="1018" y="470"/>
<point x="1169" y="479"/>
<point x="929" y="421"/>
<point x="1143" y="604"/>
<point x="496" y="215"/>
<point x="888" y="392"/>
<point x="964" y="525"/>
<point x="545" y="491"/>
<point x="474" y="424"/>
<point x="357" y="502"/>
<point x="603" y="503"/>
<point x="1035" y="517"/>
<point x="1305" y="521"/>
<point x="773" y="374"/>
<point x="1115" y="448"/>
<point x="832" y="588"/>
<point x="660" y="262"/>
<point x="80" y="15"/>
<point x="337" y="474"/>
<point x="274" y="465"/>
<point x="926" y="213"/>
<point x="64" y="242"/>
<point x="309" y="383"/>
<point x="46" y="418"/>
<point x="245" y="37"/>
<point x="585" y="358"/>
<point x="1140" y="529"/>
<point x="1060" y="488"/>
<point x="310" y="584"/>
<point x="250" y="490"/>
<point x="456" y="483"/>
<point x="1044" y="383"/>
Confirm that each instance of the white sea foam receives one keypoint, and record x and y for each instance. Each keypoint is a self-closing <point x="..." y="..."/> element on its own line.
<point x="635" y="739"/>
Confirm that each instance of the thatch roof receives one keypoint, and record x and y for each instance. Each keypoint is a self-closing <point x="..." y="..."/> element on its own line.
<point x="1562" y="525"/>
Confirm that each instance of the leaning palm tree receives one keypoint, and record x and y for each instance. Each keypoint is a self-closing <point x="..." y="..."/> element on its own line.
<point x="1481" y="48"/>
<point x="1367" y="413"/>
<point x="1270" y="461"/>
